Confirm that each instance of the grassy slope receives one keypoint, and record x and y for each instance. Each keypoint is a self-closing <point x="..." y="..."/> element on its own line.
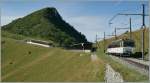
<point x="46" y="64"/>
<point x="136" y="35"/>
<point x="54" y="64"/>
<point x="129" y="75"/>
<point x="21" y="37"/>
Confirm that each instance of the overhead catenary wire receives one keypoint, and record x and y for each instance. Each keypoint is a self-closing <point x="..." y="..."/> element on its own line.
<point x="143" y="24"/>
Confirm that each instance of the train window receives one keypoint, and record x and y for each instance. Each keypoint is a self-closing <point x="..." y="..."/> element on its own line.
<point x="128" y="44"/>
<point x="122" y="43"/>
<point x="114" y="44"/>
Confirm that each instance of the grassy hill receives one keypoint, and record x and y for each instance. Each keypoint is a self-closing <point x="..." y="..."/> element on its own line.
<point x="26" y="62"/>
<point x="30" y="63"/>
<point x="46" y="24"/>
<point x="136" y="35"/>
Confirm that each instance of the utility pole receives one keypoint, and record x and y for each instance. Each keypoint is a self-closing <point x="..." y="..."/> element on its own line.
<point x="142" y="28"/>
<point x="130" y="29"/>
<point x="96" y="40"/>
<point x="115" y="33"/>
<point x="104" y="42"/>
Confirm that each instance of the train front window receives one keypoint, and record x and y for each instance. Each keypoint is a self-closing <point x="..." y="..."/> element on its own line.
<point x="128" y="44"/>
<point x="114" y="44"/>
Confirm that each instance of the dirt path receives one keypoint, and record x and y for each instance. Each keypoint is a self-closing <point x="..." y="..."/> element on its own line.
<point x="97" y="62"/>
<point x="94" y="57"/>
<point x="112" y="76"/>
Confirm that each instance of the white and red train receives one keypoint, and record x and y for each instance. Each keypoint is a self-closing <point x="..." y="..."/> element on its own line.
<point x="122" y="47"/>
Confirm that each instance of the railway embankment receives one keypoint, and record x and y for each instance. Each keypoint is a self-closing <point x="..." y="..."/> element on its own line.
<point x="132" y="65"/>
<point x="128" y="74"/>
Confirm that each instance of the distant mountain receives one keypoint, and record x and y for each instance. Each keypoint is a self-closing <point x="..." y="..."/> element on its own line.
<point x="47" y="24"/>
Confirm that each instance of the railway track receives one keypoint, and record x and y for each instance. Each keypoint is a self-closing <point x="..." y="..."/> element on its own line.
<point x="143" y="66"/>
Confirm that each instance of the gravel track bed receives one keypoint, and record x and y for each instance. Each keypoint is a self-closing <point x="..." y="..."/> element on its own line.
<point x="143" y="71"/>
<point x="111" y="76"/>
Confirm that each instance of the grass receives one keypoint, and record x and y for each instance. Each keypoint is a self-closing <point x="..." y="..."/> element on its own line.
<point x="21" y="37"/>
<point x="129" y="75"/>
<point x="14" y="36"/>
<point x="30" y="63"/>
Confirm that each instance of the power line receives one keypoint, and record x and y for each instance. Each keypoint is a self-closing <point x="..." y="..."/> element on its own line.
<point x="142" y="28"/>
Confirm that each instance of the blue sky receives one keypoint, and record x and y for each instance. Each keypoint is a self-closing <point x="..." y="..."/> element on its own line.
<point x="89" y="17"/>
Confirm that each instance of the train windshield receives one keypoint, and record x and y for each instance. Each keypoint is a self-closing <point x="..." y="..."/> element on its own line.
<point x="129" y="43"/>
<point x="114" y="44"/>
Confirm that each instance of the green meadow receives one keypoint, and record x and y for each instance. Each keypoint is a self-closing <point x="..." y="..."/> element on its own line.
<point x="22" y="62"/>
<point x="31" y="63"/>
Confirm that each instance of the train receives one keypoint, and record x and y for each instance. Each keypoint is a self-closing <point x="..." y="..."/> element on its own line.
<point x="121" y="47"/>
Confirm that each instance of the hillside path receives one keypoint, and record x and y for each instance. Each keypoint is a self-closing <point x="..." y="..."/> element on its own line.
<point x="94" y="57"/>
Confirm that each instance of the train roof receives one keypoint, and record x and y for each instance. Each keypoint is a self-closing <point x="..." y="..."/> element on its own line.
<point x="116" y="43"/>
<point x="125" y="40"/>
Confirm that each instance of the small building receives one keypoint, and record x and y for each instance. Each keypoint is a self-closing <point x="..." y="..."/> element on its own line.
<point x="39" y="42"/>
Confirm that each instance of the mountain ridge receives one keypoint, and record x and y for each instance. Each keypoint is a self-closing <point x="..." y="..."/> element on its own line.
<point x="46" y="23"/>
